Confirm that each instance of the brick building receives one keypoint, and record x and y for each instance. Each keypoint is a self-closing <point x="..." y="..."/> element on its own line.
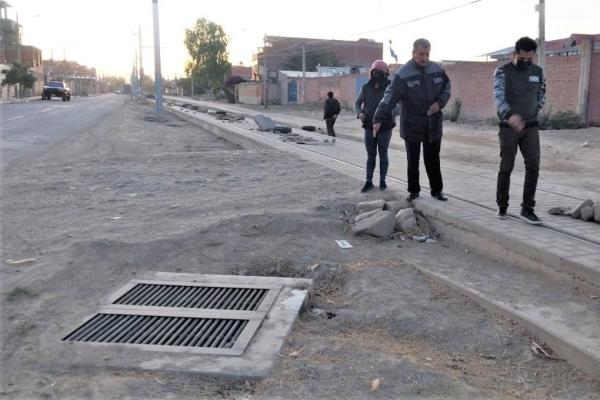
<point x="282" y="50"/>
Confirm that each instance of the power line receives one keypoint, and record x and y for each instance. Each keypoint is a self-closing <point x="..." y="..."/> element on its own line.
<point x="421" y="18"/>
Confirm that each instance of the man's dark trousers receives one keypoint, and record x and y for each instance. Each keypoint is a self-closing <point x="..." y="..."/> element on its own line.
<point x="528" y="141"/>
<point x="329" y="122"/>
<point x="431" y="157"/>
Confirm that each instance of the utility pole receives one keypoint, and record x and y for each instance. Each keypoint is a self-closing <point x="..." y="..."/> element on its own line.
<point x="141" y="69"/>
<point x="541" y="9"/>
<point x="18" y="40"/>
<point x="265" y="73"/>
<point x="157" y="72"/>
<point x="303" y="73"/>
<point x="192" y="85"/>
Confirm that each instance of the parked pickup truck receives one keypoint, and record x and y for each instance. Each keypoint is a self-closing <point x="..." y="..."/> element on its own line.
<point x="57" y="89"/>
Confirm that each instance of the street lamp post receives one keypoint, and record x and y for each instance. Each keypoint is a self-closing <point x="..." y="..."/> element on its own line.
<point x="157" y="72"/>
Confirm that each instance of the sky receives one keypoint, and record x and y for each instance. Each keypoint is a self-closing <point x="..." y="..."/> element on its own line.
<point x="103" y="34"/>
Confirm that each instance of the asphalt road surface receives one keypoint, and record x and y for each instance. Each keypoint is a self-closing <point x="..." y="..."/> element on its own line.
<point x="29" y="128"/>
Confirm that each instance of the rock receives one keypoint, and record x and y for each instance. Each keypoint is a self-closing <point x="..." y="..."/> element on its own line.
<point x="379" y="224"/>
<point x="364" y="215"/>
<point x="562" y="210"/>
<point x="597" y="212"/>
<point x="576" y="213"/>
<point x="370" y="205"/>
<point x="587" y="213"/>
<point x="407" y="222"/>
<point x="397" y="205"/>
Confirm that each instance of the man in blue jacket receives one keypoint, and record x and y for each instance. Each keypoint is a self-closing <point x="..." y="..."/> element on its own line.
<point x="519" y="94"/>
<point x="423" y="88"/>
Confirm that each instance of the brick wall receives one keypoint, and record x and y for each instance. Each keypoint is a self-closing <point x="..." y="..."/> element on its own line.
<point x="562" y="82"/>
<point x="594" y="93"/>
<point x="472" y="83"/>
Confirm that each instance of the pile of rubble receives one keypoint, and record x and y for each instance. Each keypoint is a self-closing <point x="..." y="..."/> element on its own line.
<point x="587" y="210"/>
<point x="381" y="218"/>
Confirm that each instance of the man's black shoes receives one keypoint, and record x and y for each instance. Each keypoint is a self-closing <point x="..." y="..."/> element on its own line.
<point x="529" y="216"/>
<point x="368" y="186"/>
<point x="501" y="214"/>
<point x="412" y="196"/>
<point x="382" y="185"/>
<point x="440" y="196"/>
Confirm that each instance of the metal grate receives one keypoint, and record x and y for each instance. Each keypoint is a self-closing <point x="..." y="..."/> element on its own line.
<point x="160" y="331"/>
<point x="183" y="296"/>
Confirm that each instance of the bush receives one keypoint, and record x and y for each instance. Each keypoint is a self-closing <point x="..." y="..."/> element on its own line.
<point x="566" y="120"/>
<point x="455" y="110"/>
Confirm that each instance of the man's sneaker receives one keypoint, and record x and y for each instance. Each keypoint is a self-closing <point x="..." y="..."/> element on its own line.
<point x="529" y="216"/>
<point x="440" y="196"/>
<point x="368" y="186"/>
<point x="382" y="185"/>
<point x="501" y="214"/>
<point x="412" y="196"/>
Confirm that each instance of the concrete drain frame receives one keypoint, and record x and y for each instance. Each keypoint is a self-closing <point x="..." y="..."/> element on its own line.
<point x="226" y="325"/>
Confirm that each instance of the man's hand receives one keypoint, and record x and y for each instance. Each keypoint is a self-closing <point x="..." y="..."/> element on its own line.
<point x="361" y="116"/>
<point x="516" y="122"/>
<point x="435" y="107"/>
<point x="376" y="127"/>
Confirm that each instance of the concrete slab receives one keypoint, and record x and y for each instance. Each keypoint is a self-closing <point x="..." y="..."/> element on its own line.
<point x="256" y="361"/>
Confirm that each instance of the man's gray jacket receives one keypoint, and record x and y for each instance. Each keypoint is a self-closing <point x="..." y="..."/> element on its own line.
<point x="417" y="88"/>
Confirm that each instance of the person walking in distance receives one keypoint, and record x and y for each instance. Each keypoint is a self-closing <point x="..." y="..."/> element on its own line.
<point x="519" y="94"/>
<point x="365" y="104"/>
<point x="330" y="112"/>
<point x="423" y="88"/>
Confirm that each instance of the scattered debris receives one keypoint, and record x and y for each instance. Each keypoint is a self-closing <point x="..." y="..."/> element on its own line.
<point x="313" y="267"/>
<point x="584" y="144"/>
<point x="317" y="312"/>
<point x="543" y="351"/>
<point x="115" y="218"/>
<point x="594" y="297"/>
<point x="344" y="244"/>
<point x="375" y="383"/>
<point x="21" y="261"/>
<point x="308" y="128"/>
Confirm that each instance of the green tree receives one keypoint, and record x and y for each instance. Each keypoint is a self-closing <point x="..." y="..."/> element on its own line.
<point x="206" y="44"/>
<point x="18" y="76"/>
<point x="114" y="83"/>
<point x="324" y="57"/>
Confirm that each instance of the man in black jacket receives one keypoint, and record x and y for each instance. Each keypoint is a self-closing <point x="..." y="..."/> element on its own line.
<point x="519" y="94"/>
<point x="330" y="112"/>
<point x="365" y="104"/>
<point x="423" y="88"/>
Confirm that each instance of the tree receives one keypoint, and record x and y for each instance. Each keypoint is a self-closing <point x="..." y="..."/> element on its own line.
<point x="206" y="44"/>
<point x="114" y="83"/>
<point x="324" y="57"/>
<point x="18" y="76"/>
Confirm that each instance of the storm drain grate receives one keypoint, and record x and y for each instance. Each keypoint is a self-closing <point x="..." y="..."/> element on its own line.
<point x="160" y="331"/>
<point x="209" y="297"/>
<point x="180" y="316"/>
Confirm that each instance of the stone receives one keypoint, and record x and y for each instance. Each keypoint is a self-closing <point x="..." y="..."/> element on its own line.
<point x="397" y="205"/>
<point x="587" y="213"/>
<point x="562" y="210"/>
<point x="576" y="213"/>
<point x="379" y="224"/>
<point x="597" y="212"/>
<point x="364" y="215"/>
<point x="264" y="123"/>
<point x="370" y="205"/>
<point x="407" y="222"/>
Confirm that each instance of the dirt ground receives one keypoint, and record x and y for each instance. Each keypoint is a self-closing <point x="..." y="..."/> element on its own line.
<point x="191" y="202"/>
<point x="569" y="157"/>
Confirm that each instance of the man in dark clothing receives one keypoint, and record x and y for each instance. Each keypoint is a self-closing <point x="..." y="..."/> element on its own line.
<point x="423" y="88"/>
<point x="365" y="104"/>
<point x="331" y="111"/>
<point x="519" y="94"/>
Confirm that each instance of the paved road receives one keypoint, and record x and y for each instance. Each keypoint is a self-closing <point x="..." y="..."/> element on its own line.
<point x="28" y="128"/>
